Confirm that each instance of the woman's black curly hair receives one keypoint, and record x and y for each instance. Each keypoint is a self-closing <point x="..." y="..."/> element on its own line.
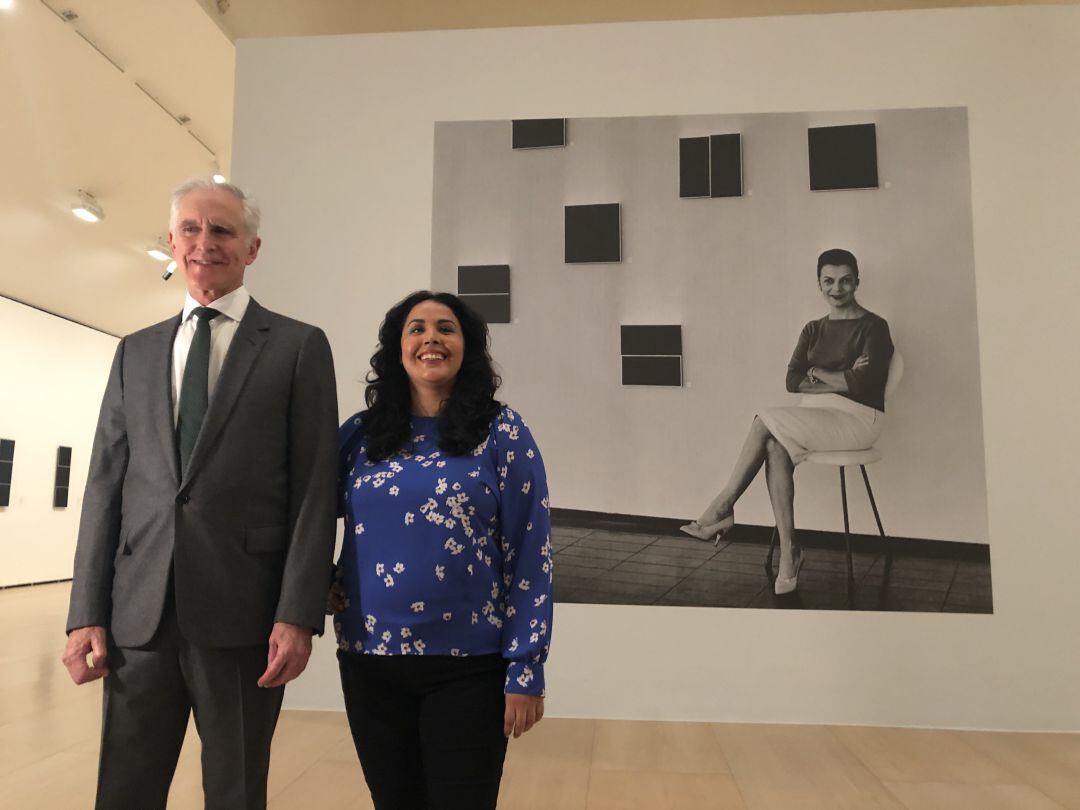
<point x="465" y="417"/>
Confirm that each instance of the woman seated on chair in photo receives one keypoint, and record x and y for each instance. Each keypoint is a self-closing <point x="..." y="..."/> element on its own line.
<point x="840" y="365"/>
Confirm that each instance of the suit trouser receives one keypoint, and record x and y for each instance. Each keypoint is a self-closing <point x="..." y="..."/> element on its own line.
<point x="149" y="694"/>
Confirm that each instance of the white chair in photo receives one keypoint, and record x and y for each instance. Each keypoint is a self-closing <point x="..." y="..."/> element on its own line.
<point x="851" y="458"/>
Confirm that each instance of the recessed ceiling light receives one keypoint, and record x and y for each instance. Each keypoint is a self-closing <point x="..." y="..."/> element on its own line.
<point x="158" y="253"/>
<point x="87" y="208"/>
<point x="215" y="172"/>
<point x="7" y="4"/>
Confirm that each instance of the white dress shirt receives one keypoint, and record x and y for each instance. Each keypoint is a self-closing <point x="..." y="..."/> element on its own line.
<point x="222" y="329"/>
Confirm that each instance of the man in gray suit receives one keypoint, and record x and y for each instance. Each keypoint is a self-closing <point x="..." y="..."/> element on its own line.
<point x="204" y="551"/>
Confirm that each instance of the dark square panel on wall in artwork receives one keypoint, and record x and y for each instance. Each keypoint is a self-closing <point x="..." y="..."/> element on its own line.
<point x="536" y="133"/>
<point x="842" y="157"/>
<point x="492" y="308"/>
<point x="592" y="233"/>
<point x="5" y="494"/>
<point x="652" y="371"/>
<point x="651" y="340"/>
<point x="694" y="167"/>
<point x="725" y="165"/>
<point x="60" y="497"/>
<point x="7" y="449"/>
<point x="483" y="279"/>
<point x="63" y="456"/>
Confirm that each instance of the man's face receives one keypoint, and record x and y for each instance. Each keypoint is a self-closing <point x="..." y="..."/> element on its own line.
<point x="210" y="243"/>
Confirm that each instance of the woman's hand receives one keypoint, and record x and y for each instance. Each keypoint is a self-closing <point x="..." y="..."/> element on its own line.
<point x="861" y="361"/>
<point x="336" y="600"/>
<point x="522" y="713"/>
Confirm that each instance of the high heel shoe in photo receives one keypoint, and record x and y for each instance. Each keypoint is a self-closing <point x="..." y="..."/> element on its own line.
<point x="784" y="585"/>
<point x="714" y="531"/>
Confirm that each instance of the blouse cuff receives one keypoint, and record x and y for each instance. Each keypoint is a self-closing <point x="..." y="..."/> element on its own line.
<point x="524" y="678"/>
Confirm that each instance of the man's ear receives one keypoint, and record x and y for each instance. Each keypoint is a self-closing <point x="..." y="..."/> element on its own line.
<point x="253" y="249"/>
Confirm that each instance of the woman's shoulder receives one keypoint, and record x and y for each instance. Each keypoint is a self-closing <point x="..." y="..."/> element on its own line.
<point x="351" y="429"/>
<point x="875" y="321"/>
<point x="509" y="422"/>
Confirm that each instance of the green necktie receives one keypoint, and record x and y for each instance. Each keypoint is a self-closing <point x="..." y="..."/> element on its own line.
<point x="194" y="390"/>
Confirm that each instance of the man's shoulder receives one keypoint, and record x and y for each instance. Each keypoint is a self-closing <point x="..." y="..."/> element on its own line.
<point x="167" y="326"/>
<point x="277" y="321"/>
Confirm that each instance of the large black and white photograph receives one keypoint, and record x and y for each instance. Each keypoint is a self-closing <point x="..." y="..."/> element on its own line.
<point x="748" y="343"/>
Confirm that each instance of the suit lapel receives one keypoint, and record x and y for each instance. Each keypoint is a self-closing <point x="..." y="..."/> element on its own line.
<point x="161" y="406"/>
<point x="251" y="335"/>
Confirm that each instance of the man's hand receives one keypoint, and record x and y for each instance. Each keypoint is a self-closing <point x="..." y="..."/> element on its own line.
<point x="290" y="647"/>
<point x="522" y="713"/>
<point x="861" y="361"/>
<point x="80" y="642"/>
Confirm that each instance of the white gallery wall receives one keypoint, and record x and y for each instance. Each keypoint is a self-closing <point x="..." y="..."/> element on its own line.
<point x="54" y="374"/>
<point x="335" y="136"/>
<point x="739" y="275"/>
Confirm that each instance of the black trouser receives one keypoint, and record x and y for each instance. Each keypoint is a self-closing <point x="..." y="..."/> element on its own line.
<point x="428" y="729"/>
<point x="149" y="693"/>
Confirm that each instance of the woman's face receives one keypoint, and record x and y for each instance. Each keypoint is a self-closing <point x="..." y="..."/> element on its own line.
<point x="432" y="346"/>
<point x="838" y="283"/>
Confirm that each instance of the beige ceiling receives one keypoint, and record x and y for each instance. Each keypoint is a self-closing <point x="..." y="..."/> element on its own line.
<point x="277" y="18"/>
<point x="73" y="120"/>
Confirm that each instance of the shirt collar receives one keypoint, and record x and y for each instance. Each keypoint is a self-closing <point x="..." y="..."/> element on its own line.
<point x="232" y="305"/>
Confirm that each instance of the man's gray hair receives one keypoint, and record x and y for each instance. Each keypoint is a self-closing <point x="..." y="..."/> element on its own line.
<point x="251" y="210"/>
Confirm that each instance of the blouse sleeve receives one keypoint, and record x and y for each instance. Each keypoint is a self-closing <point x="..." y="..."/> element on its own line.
<point x="868" y="383"/>
<point x="350" y="434"/>
<point x="800" y="361"/>
<point x="525" y="526"/>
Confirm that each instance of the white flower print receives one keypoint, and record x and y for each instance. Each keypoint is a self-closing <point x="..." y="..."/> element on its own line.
<point x="455" y="652"/>
<point x="511" y="611"/>
<point x="447" y="616"/>
<point x="543" y="628"/>
<point x="359" y="646"/>
<point x="359" y="528"/>
<point x="356" y="484"/>
<point x="440" y="464"/>
<point x="509" y="456"/>
<point x="532" y="623"/>
<point x="394" y="490"/>
<point x="526" y="487"/>
<point x="474" y="617"/>
<point x="456" y="487"/>
<point x="409" y="517"/>
<point x="419" y="646"/>
<point x="474" y="474"/>
<point x="406" y="648"/>
<point x="417" y="607"/>
<point x="369" y="623"/>
<point x="406" y="632"/>
<point x="399" y="568"/>
<point x="387" y="635"/>
<point x="469" y="569"/>
<point x="538" y="601"/>
<point x="524" y="585"/>
<point x="388" y="581"/>
<point x="380" y="650"/>
<point x="530" y="453"/>
<point x="449" y="524"/>
<point x="380" y="569"/>
<point x="534" y="637"/>
<point x="440" y="572"/>
<point x="525" y="677"/>
<point x="513" y="645"/>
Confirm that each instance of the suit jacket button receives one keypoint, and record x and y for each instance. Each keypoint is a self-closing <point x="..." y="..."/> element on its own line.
<point x="182" y="499"/>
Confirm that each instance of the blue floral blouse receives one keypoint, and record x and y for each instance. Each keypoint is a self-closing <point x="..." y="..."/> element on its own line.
<point x="448" y="555"/>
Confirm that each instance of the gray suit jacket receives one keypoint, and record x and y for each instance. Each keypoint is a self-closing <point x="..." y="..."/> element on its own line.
<point x="248" y="532"/>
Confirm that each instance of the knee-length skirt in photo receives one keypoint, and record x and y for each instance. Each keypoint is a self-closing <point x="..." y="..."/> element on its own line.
<point x="823" y="423"/>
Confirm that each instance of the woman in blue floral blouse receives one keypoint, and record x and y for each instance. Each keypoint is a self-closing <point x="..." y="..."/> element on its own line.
<point x="444" y="595"/>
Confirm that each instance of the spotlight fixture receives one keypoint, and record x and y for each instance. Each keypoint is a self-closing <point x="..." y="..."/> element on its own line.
<point x="170" y="268"/>
<point x="87" y="208"/>
<point x="159" y="251"/>
<point x="5" y="5"/>
<point x="215" y="171"/>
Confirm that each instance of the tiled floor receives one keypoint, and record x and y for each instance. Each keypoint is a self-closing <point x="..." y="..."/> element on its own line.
<point x="629" y="568"/>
